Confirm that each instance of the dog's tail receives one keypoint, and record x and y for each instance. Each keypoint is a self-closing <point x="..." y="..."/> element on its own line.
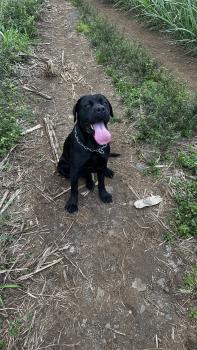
<point x="114" y="155"/>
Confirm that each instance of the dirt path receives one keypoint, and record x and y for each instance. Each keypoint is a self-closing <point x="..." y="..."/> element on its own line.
<point x="114" y="282"/>
<point x="158" y="46"/>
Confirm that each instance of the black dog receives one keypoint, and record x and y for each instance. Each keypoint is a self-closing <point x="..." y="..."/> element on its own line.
<point x="86" y="149"/>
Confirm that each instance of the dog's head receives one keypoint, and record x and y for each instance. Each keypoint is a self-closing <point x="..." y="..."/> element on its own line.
<point x="92" y="113"/>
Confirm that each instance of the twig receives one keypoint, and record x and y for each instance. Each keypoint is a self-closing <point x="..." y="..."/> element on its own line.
<point x="77" y="267"/>
<point x="156" y="341"/>
<point x="14" y="195"/>
<point x="12" y="270"/>
<point x="67" y="190"/>
<point x="63" y="77"/>
<point x="4" y="198"/>
<point x="153" y="349"/>
<point x="5" y="159"/>
<point x="132" y="190"/>
<point x="117" y="332"/>
<point x="73" y="92"/>
<point x="25" y="277"/>
<point x="173" y="333"/>
<point x="28" y="131"/>
<point x="63" y="58"/>
<point x="51" y="345"/>
<point x="52" y="138"/>
<point x="45" y="60"/>
<point x="35" y="91"/>
<point x="46" y="196"/>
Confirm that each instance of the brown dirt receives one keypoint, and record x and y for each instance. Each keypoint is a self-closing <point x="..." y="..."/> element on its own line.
<point x="116" y="283"/>
<point x="158" y="45"/>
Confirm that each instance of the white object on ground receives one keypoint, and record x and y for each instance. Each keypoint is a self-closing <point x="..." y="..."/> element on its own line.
<point x="147" y="202"/>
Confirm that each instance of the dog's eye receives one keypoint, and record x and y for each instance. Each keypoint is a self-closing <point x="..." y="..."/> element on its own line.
<point x="88" y="104"/>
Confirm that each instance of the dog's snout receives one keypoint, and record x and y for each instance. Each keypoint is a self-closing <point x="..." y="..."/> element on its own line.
<point x="99" y="108"/>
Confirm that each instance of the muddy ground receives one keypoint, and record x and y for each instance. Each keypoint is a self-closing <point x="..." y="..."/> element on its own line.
<point x="102" y="278"/>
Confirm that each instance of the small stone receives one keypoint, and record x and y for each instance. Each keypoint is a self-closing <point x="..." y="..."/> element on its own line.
<point x="109" y="189"/>
<point x="137" y="284"/>
<point x="72" y="249"/>
<point x="168" y="317"/>
<point x="108" y="326"/>
<point x="116" y="326"/>
<point x="141" y="166"/>
<point x="160" y="304"/>
<point x="84" y="322"/>
<point x="168" y="250"/>
<point x="111" y="232"/>
<point x="161" y="282"/>
<point x="100" y="293"/>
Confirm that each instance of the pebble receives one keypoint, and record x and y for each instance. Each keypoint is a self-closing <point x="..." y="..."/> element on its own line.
<point x="168" y="317"/>
<point x="141" y="166"/>
<point x="137" y="284"/>
<point x="109" y="189"/>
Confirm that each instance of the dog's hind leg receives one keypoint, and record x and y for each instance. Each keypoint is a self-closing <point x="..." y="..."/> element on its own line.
<point x="103" y="194"/>
<point x="63" y="168"/>
<point x="108" y="173"/>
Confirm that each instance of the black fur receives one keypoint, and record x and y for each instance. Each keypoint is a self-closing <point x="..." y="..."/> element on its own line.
<point x="76" y="161"/>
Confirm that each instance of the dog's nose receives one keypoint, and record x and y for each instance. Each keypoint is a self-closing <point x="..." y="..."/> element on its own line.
<point x="100" y="108"/>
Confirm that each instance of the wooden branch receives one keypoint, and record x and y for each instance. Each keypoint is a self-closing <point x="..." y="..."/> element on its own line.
<point x="35" y="91"/>
<point x="52" y="138"/>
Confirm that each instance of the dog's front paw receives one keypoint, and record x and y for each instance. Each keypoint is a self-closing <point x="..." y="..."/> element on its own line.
<point x="109" y="173"/>
<point x="71" y="207"/>
<point x="105" y="197"/>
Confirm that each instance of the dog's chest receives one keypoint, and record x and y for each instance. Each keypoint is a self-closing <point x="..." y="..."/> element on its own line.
<point x="96" y="162"/>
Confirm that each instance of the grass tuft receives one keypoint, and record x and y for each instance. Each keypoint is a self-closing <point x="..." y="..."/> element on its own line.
<point x="190" y="280"/>
<point x="188" y="160"/>
<point x="17" y="33"/>
<point x="185" y="215"/>
<point x="193" y="314"/>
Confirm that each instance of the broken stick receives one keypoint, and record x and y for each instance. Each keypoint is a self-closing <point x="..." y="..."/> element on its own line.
<point x="52" y="138"/>
<point x="35" y="91"/>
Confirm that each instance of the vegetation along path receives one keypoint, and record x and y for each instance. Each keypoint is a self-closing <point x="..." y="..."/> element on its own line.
<point x="158" y="45"/>
<point x="103" y="278"/>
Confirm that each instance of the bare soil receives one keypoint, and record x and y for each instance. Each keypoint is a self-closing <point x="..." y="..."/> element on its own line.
<point x="102" y="278"/>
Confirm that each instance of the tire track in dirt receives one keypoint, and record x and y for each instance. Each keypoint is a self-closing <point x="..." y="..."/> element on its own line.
<point x="115" y="283"/>
<point x="158" y="45"/>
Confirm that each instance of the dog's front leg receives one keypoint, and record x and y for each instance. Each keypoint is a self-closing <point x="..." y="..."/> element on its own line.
<point x="71" y="205"/>
<point x="103" y="194"/>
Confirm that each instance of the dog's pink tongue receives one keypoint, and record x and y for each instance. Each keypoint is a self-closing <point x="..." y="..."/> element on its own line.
<point x="102" y="135"/>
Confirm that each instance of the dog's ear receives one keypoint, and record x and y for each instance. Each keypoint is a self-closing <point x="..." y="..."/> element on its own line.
<point x="110" y="107"/>
<point x="76" y="109"/>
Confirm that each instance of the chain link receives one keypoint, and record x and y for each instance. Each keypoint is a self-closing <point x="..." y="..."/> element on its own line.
<point x="98" y="150"/>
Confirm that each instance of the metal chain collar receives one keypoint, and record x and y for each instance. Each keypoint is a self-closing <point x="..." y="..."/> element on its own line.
<point x="98" y="150"/>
